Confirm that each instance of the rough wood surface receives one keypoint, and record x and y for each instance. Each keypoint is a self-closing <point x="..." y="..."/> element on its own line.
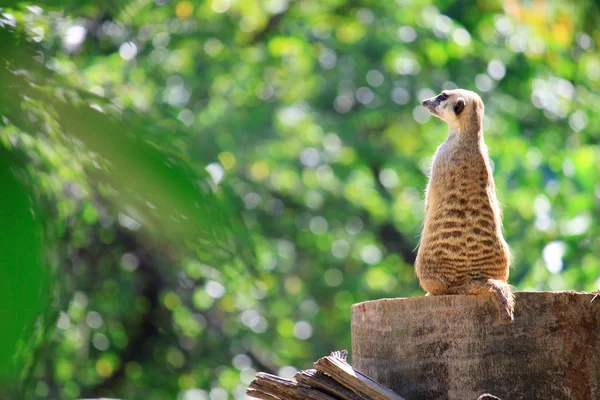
<point x="361" y="384"/>
<point x="454" y="347"/>
<point x="281" y="388"/>
<point x="258" y="394"/>
<point x="333" y="379"/>
<point x="316" y="379"/>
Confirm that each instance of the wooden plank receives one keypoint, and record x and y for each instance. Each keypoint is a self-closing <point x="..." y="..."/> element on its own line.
<point x="257" y="394"/>
<point x="347" y="376"/>
<point x="333" y="379"/>
<point x="283" y="388"/>
<point x="326" y="384"/>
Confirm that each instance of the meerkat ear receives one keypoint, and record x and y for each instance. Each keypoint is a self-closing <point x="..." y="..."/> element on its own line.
<point x="459" y="106"/>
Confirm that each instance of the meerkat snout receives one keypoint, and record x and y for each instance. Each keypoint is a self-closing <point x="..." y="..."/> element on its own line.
<point x="450" y="105"/>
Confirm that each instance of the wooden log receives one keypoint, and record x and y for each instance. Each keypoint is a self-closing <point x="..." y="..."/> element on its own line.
<point x="364" y="386"/>
<point x="332" y="379"/>
<point x="326" y="384"/>
<point x="455" y="347"/>
<point x="258" y="394"/>
<point x="284" y="389"/>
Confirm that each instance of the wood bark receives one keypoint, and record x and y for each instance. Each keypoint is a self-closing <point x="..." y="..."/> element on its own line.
<point x="332" y="379"/>
<point x="455" y="347"/>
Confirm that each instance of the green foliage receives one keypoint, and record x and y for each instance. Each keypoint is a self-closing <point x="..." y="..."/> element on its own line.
<point x="25" y="274"/>
<point x="300" y="122"/>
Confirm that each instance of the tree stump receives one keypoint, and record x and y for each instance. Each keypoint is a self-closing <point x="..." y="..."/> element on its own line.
<point x="455" y="347"/>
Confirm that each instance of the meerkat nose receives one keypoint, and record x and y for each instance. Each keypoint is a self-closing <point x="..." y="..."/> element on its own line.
<point x="425" y="102"/>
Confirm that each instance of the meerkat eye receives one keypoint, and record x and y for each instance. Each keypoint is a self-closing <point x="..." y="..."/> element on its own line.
<point x="443" y="96"/>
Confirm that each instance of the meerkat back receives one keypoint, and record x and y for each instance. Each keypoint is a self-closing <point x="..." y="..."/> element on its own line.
<point x="462" y="249"/>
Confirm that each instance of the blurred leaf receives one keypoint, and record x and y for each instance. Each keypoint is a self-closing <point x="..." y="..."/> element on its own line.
<point x="150" y="186"/>
<point x="24" y="273"/>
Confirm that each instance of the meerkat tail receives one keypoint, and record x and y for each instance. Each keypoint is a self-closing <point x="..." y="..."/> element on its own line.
<point x="504" y="298"/>
<point x="501" y="294"/>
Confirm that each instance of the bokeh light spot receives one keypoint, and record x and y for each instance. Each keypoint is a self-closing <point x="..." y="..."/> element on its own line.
<point x="129" y="262"/>
<point x="175" y="357"/>
<point x="215" y="289"/>
<point x="100" y="341"/>
<point x="303" y="330"/>
<point x="388" y="178"/>
<point x="287" y="372"/>
<point x="318" y="225"/>
<point x="220" y="6"/>
<point x="172" y="301"/>
<point x="276" y="6"/>
<point x="496" y="69"/>
<point x="461" y="37"/>
<point x="133" y="370"/>
<point x="406" y="34"/>
<point x="104" y="368"/>
<point x="74" y="37"/>
<point x="194" y="394"/>
<point x="370" y="254"/>
<point x="293" y="284"/>
<point x="553" y="255"/>
<point x="260" y="170"/>
<point x="420" y="114"/>
<point x="187" y="381"/>
<point x="227" y="159"/>
<point x="94" y="320"/>
<point x="333" y="277"/>
<point x="128" y="51"/>
<point x="375" y="78"/>
<point x="184" y="9"/>
<point x="483" y="82"/>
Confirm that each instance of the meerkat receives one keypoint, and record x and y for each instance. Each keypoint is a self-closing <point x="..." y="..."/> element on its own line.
<point x="462" y="249"/>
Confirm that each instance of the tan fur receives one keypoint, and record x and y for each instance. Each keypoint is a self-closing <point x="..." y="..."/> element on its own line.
<point x="462" y="250"/>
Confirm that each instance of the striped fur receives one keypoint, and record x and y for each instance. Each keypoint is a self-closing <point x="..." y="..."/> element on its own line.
<point x="462" y="250"/>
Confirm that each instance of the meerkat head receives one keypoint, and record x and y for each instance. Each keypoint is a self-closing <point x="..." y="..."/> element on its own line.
<point x="457" y="107"/>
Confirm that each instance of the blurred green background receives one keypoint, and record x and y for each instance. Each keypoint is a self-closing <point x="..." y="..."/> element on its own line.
<point x="194" y="191"/>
